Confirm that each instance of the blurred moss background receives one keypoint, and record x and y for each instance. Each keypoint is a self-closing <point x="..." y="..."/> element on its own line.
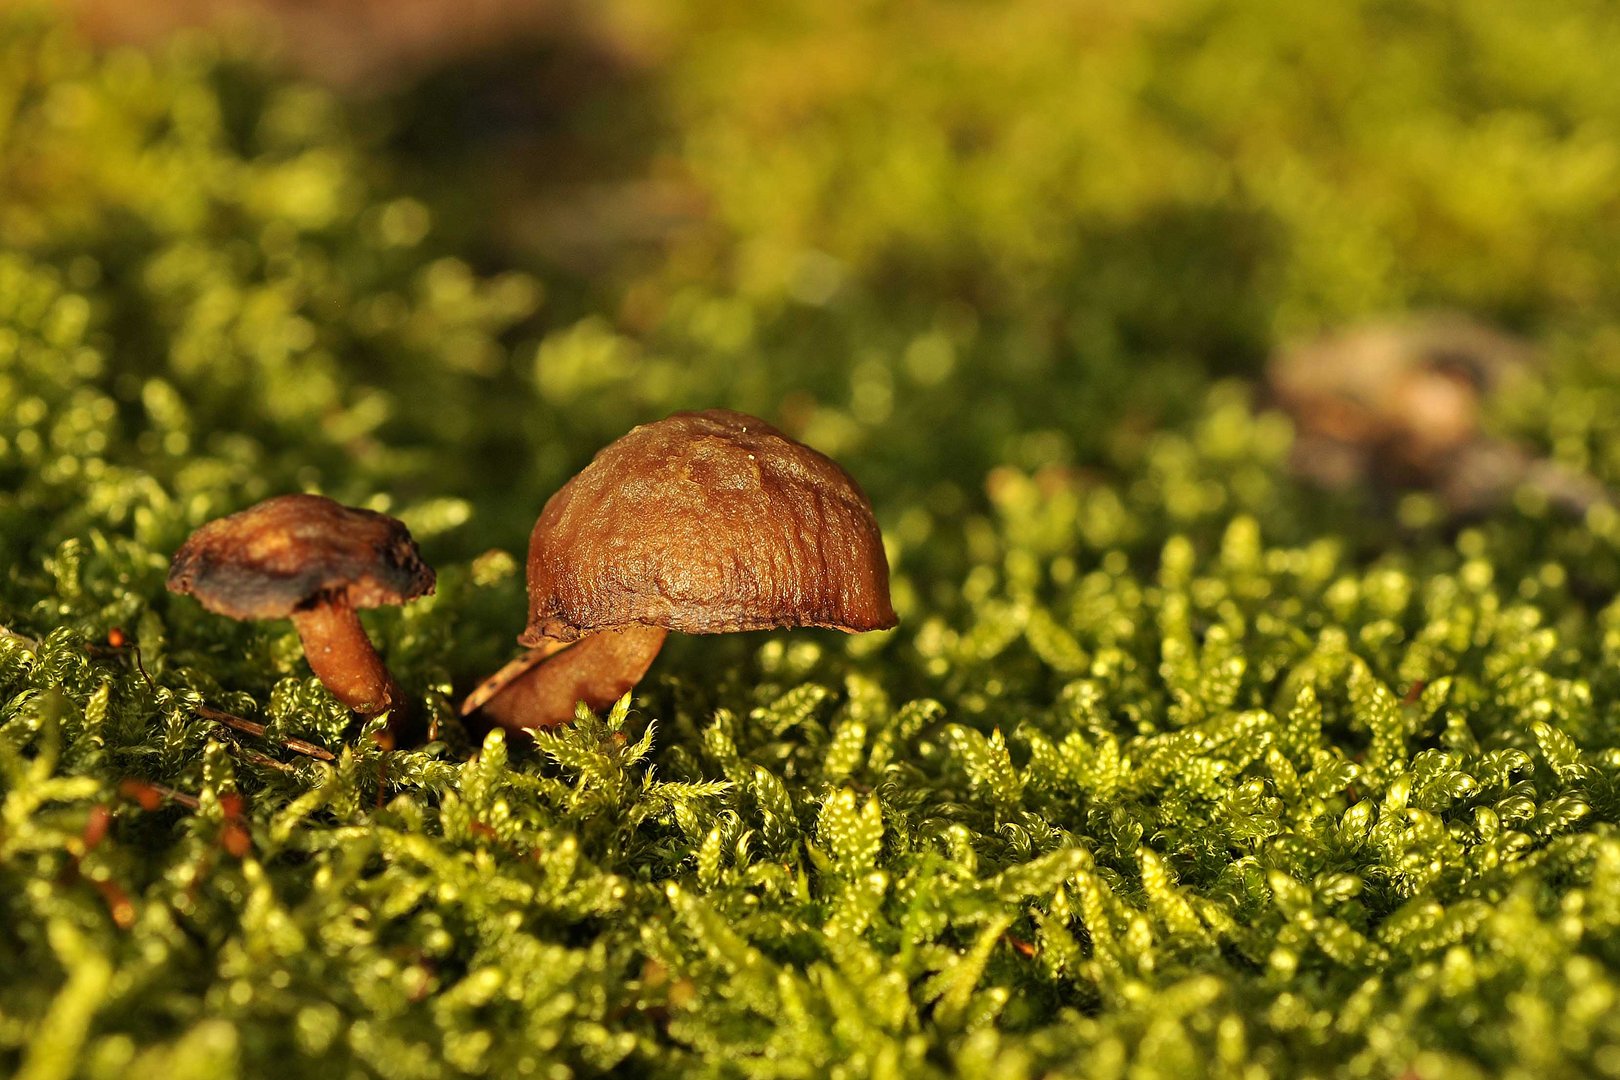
<point x="1175" y="765"/>
<point x="872" y="222"/>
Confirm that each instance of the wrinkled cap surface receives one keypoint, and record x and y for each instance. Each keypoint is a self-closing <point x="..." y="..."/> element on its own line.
<point x="289" y="552"/>
<point x="707" y="523"/>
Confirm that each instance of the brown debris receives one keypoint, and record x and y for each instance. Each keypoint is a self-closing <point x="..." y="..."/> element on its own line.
<point x="151" y="796"/>
<point x="1400" y="405"/>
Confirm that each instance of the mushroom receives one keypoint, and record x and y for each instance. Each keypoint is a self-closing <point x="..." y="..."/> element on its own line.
<point x="1401" y="402"/>
<point x="317" y="562"/>
<point x="702" y="523"/>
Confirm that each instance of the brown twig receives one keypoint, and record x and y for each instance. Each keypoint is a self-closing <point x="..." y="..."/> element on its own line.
<point x="237" y="723"/>
<point x="267" y="761"/>
<point x="150" y="796"/>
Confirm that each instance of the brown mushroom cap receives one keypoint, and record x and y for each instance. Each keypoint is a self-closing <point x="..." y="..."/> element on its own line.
<point x="283" y="554"/>
<point x="706" y="523"/>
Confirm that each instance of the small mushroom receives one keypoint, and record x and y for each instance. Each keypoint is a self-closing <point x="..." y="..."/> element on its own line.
<point x="702" y="523"/>
<point x="1401" y="403"/>
<point x="317" y="562"/>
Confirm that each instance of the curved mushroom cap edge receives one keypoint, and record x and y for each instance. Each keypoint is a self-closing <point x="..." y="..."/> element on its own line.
<point x="288" y="552"/>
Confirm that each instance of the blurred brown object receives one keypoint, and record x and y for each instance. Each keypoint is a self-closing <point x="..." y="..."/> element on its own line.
<point x="489" y="107"/>
<point x="1399" y="404"/>
<point x="349" y="43"/>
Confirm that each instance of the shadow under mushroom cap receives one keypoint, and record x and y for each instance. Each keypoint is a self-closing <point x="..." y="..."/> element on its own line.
<point x="270" y="560"/>
<point x="707" y="523"/>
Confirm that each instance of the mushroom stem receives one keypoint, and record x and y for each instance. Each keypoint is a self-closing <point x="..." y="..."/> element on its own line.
<point x="541" y="691"/>
<point x="342" y="657"/>
<point x="509" y="673"/>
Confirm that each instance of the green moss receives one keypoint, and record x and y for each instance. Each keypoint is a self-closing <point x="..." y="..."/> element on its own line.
<point x="1173" y="768"/>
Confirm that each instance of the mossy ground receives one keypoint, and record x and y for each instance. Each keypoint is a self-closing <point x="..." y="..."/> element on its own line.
<point x="1175" y="767"/>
